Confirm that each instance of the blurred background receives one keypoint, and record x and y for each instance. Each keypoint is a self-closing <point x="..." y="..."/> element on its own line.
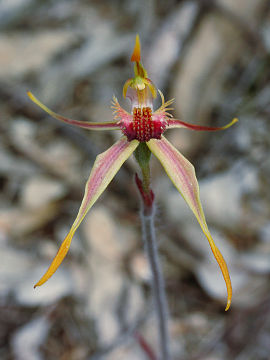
<point x="212" y="56"/>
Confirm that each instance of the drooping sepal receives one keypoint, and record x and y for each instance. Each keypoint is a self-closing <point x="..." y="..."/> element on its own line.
<point x="105" y="167"/>
<point x="182" y="174"/>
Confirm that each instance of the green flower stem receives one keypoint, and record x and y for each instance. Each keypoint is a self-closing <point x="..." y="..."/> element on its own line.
<point x="143" y="155"/>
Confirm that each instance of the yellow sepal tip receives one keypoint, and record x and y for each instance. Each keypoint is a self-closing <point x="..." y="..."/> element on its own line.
<point x="136" y="56"/>
<point x="228" y="305"/>
<point x="235" y="120"/>
<point x="62" y="252"/>
<point x="42" y="106"/>
<point x="31" y="96"/>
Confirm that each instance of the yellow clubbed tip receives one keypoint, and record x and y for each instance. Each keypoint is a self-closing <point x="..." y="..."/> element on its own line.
<point x="230" y="124"/>
<point x="136" y="56"/>
<point x="42" y="106"/>
<point x="31" y="96"/>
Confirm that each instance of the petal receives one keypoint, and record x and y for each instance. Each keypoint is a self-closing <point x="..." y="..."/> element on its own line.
<point x="126" y="86"/>
<point x="174" y="123"/>
<point x="105" y="167"/>
<point x="182" y="174"/>
<point x="111" y="125"/>
<point x="151" y="86"/>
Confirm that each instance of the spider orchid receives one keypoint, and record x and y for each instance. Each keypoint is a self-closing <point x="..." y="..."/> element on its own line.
<point x="142" y="124"/>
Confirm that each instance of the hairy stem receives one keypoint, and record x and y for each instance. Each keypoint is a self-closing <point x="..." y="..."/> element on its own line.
<point x="158" y="288"/>
<point x="149" y="237"/>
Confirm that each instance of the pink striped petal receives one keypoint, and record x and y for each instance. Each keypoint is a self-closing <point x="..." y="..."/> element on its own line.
<point x="173" y="123"/>
<point x="182" y="174"/>
<point x="110" y="125"/>
<point x="105" y="167"/>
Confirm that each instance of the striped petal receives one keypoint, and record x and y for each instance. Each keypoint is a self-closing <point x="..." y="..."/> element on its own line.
<point x="105" y="167"/>
<point x="182" y="174"/>
<point x="174" y="123"/>
<point x="110" y="125"/>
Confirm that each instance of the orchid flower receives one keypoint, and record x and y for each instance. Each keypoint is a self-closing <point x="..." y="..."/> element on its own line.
<point x="141" y="125"/>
